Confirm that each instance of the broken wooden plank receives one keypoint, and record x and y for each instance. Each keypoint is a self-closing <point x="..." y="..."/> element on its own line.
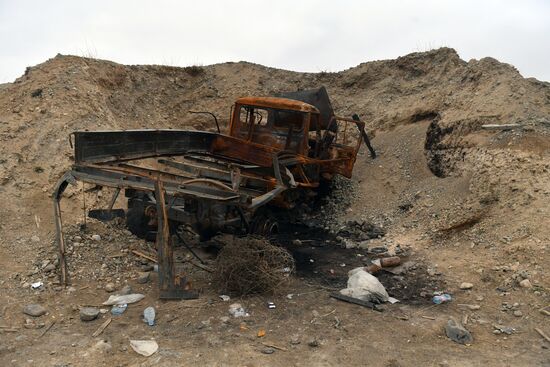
<point x="357" y="301"/>
<point x="145" y="256"/>
<point x="542" y="334"/>
<point x="274" y="346"/>
<point x="102" y="327"/>
<point x="47" y="329"/>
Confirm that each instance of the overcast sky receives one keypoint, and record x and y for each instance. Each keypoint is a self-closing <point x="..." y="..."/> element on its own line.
<point x="300" y="35"/>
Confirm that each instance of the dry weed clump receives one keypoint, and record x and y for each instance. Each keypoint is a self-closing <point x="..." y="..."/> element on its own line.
<point x="251" y="265"/>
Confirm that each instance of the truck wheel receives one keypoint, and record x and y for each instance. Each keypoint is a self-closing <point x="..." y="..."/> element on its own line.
<point x="137" y="221"/>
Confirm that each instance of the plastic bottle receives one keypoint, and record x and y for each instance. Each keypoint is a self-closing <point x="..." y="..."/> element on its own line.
<point x="149" y="316"/>
<point x="442" y="298"/>
<point x="117" y="310"/>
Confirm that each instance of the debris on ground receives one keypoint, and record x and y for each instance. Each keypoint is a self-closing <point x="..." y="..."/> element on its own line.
<point x="458" y="333"/>
<point x="236" y="310"/>
<point x="149" y="315"/>
<point x="250" y="265"/>
<point x="441" y="298"/>
<point x="123" y="299"/>
<point x="365" y="286"/>
<point x="144" y="347"/>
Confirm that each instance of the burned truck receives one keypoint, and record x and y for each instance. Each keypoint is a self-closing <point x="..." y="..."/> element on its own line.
<point x="275" y="153"/>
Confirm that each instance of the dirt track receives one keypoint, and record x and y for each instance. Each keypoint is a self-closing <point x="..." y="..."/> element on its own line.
<point x="468" y="205"/>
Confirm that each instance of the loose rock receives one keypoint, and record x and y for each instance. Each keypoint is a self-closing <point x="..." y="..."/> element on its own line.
<point x="525" y="283"/>
<point x="88" y="313"/>
<point x="96" y="237"/>
<point x="458" y="333"/>
<point x="34" y="310"/>
<point x="110" y="287"/>
<point x="466" y="285"/>
<point x="268" y="350"/>
<point x="143" y="277"/>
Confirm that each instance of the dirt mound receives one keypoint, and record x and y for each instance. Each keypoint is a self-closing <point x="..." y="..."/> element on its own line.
<point x="469" y="204"/>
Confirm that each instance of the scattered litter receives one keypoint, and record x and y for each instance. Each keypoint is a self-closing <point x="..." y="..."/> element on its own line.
<point x="271" y="305"/>
<point x="236" y="310"/>
<point x="144" y="347"/>
<point x="36" y="285"/>
<point x="441" y="298"/>
<point x="290" y="295"/>
<point x="117" y="310"/>
<point x="149" y="316"/>
<point x="261" y="333"/>
<point x="392" y="300"/>
<point x="225" y="298"/>
<point x="123" y="299"/>
<point x="365" y="286"/>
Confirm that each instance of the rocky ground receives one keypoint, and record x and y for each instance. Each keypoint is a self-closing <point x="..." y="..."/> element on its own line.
<point x="459" y="203"/>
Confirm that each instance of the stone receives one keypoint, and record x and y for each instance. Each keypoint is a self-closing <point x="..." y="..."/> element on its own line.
<point x="525" y="283"/>
<point x="143" y="277"/>
<point x="88" y="313"/>
<point x="518" y="313"/>
<point x="34" y="310"/>
<point x="466" y="285"/>
<point x="268" y="350"/>
<point x="458" y="333"/>
<point x="225" y="319"/>
<point x="35" y="239"/>
<point x="314" y="343"/>
<point x="110" y="287"/>
<point x="49" y="267"/>
<point x="96" y="237"/>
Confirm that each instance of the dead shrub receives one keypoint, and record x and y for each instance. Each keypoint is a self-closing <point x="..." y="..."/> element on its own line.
<point x="194" y="70"/>
<point x="251" y="265"/>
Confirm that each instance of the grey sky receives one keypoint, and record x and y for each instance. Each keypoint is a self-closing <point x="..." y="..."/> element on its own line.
<point x="297" y="35"/>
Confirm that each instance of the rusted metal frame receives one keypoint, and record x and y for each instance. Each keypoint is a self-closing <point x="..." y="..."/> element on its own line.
<point x="171" y="286"/>
<point x="182" y="181"/>
<point x="222" y="173"/>
<point x="58" y="192"/>
<point x="211" y="114"/>
<point x="117" y="179"/>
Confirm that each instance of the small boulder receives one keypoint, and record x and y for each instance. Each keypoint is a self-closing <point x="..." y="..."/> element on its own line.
<point x="525" y="283"/>
<point x="466" y="285"/>
<point x="458" y="333"/>
<point x="88" y="313"/>
<point x="110" y="287"/>
<point x="34" y="310"/>
<point x="96" y="237"/>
